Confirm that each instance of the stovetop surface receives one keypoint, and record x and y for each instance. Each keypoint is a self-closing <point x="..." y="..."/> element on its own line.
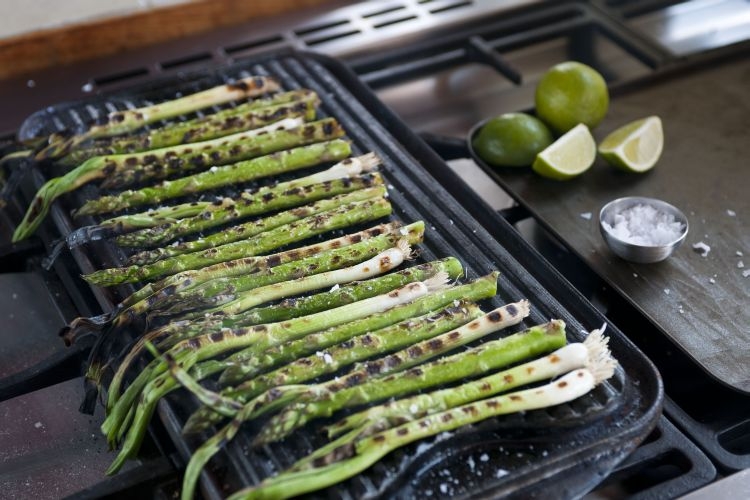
<point x="648" y="18"/>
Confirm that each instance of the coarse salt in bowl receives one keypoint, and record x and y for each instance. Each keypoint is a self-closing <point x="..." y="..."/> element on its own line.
<point x="642" y="230"/>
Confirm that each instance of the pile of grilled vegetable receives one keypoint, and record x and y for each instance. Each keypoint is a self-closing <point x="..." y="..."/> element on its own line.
<point x="291" y="300"/>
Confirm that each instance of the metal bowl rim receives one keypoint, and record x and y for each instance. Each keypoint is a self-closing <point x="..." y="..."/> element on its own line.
<point x="679" y="215"/>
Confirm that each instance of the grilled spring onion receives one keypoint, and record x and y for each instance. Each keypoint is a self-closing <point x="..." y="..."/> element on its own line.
<point x="153" y="295"/>
<point x="189" y="352"/>
<point x="592" y="353"/>
<point x="245" y="116"/>
<point x="275" y="198"/>
<point x="271" y="390"/>
<point x="332" y="259"/>
<point x="122" y="122"/>
<point x="381" y="263"/>
<point x="360" y="379"/>
<point x="155" y="216"/>
<point x="345" y="216"/>
<point x="216" y="177"/>
<point x="358" y="453"/>
<point x="246" y="363"/>
<point x="122" y="170"/>
<point x="260" y="272"/>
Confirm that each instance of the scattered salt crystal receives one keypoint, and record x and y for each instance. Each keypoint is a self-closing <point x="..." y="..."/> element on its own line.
<point x="450" y="221"/>
<point x="501" y="473"/>
<point x="484" y="457"/>
<point x="666" y="290"/>
<point x="15" y="296"/>
<point x="456" y="303"/>
<point x="403" y="231"/>
<point x="746" y="273"/>
<point x="414" y="409"/>
<point x="327" y="358"/>
<point x="738" y="253"/>
<point x="38" y="425"/>
<point x="30" y="84"/>
<point x="635" y="275"/>
<point x="711" y="280"/>
<point x="731" y="213"/>
<point x="390" y="186"/>
<point x="443" y="488"/>
<point x="319" y="354"/>
<point x="335" y="287"/>
<point x="740" y="264"/>
<point x="471" y="463"/>
<point x="701" y="248"/>
<point x="586" y="215"/>
<point x="214" y="169"/>
<point x="87" y="87"/>
<point x="643" y="224"/>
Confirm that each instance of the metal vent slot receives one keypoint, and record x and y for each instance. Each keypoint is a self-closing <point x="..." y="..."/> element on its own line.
<point x="386" y="10"/>
<point x="184" y="61"/>
<point x="320" y="27"/>
<point x="332" y="36"/>
<point x="110" y="79"/>
<point x="448" y="7"/>
<point x="391" y="22"/>
<point x="255" y="44"/>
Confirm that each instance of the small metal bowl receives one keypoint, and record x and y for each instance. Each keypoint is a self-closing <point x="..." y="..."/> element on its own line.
<point x="642" y="254"/>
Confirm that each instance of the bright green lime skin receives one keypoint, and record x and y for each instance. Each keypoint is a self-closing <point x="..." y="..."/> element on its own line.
<point x="570" y="93"/>
<point x="511" y="140"/>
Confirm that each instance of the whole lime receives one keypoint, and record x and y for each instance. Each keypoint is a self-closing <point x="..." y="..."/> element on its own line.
<point x="570" y="93"/>
<point x="511" y="140"/>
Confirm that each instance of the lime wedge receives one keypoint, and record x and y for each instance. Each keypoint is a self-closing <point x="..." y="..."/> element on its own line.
<point x="635" y="147"/>
<point x="570" y="155"/>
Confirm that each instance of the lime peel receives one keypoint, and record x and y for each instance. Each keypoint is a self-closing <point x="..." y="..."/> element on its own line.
<point x="569" y="156"/>
<point x="570" y="93"/>
<point x="635" y="147"/>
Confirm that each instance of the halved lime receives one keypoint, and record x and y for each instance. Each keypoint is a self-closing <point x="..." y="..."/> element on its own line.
<point x="511" y="140"/>
<point x="570" y="155"/>
<point x="635" y="147"/>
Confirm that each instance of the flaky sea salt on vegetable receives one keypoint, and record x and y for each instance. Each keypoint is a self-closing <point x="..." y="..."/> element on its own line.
<point x="643" y="224"/>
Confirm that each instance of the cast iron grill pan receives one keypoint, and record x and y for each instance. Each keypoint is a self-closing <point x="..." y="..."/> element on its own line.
<point x="563" y="451"/>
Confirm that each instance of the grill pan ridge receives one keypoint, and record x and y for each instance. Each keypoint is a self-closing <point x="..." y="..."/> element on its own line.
<point x="563" y="451"/>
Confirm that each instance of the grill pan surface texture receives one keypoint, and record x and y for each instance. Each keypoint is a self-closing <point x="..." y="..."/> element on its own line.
<point x="561" y="452"/>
